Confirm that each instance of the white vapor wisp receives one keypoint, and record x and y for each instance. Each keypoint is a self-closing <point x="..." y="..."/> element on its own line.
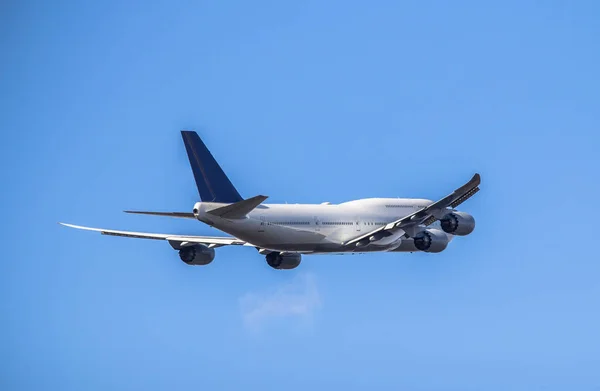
<point x="298" y="298"/>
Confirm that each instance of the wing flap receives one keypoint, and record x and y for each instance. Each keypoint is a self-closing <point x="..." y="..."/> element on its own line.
<point x="464" y="197"/>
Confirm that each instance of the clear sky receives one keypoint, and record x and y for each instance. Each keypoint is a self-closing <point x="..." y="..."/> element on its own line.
<point x="304" y="101"/>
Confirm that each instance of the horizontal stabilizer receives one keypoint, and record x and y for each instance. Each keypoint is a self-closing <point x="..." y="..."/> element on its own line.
<point x="184" y="215"/>
<point x="239" y="209"/>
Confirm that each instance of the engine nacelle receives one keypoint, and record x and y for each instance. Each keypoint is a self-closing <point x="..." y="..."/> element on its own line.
<point x="431" y="241"/>
<point x="458" y="223"/>
<point x="197" y="255"/>
<point x="283" y="261"/>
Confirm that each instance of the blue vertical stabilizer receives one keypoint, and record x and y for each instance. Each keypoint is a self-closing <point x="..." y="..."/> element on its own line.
<point x="213" y="185"/>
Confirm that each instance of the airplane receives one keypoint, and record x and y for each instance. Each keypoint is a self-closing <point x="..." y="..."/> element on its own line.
<point x="283" y="233"/>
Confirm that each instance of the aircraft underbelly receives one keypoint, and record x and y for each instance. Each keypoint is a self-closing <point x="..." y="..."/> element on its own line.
<point x="274" y="237"/>
<point x="270" y="235"/>
<point x="287" y="241"/>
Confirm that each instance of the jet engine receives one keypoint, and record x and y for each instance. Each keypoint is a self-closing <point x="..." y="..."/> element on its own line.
<point x="431" y="241"/>
<point x="283" y="261"/>
<point x="197" y="255"/>
<point x="458" y="223"/>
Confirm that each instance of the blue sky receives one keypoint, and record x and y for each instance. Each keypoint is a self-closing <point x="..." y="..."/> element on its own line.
<point x="305" y="102"/>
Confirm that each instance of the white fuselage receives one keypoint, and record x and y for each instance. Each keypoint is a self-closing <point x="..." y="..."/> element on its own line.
<point x="322" y="228"/>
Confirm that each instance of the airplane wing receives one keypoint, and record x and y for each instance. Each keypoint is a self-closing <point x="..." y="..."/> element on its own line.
<point x="176" y="241"/>
<point x="429" y="214"/>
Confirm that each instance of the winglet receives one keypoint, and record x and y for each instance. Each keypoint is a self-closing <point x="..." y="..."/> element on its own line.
<point x="467" y="190"/>
<point x="473" y="182"/>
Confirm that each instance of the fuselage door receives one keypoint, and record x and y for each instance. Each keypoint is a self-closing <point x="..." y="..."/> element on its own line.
<point x="357" y="222"/>
<point x="261" y="227"/>
<point x="317" y="224"/>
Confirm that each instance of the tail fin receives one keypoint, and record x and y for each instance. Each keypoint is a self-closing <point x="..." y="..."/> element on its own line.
<point x="212" y="183"/>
